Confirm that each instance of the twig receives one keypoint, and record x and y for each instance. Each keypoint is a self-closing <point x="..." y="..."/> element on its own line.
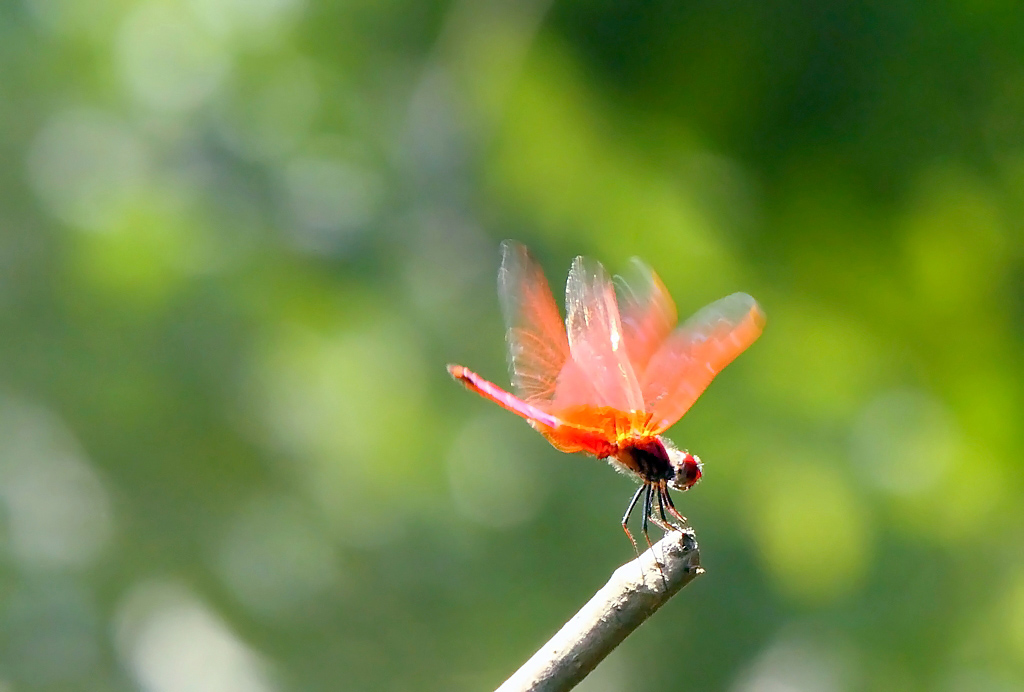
<point x="634" y="592"/>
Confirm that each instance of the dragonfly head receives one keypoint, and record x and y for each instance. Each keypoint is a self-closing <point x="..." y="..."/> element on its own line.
<point x="686" y="469"/>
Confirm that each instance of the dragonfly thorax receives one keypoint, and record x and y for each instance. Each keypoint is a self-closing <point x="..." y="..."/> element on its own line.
<point x="656" y="459"/>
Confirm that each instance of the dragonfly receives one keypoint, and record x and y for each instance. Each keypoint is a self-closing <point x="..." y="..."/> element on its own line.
<point x="617" y="373"/>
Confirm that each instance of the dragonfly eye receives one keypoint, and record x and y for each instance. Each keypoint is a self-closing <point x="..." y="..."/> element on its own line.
<point x="688" y="470"/>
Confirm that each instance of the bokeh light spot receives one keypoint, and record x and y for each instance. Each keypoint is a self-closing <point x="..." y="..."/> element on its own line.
<point x="57" y="510"/>
<point x="812" y="532"/>
<point x="276" y="560"/>
<point x="1015" y="616"/>
<point x="816" y="362"/>
<point x="172" y="642"/>
<point x="906" y="442"/>
<point x="494" y="480"/>
<point x="265" y="116"/>
<point x="86" y="166"/>
<point x="145" y="255"/>
<point x="249" y="18"/>
<point x="73" y="18"/>
<point x="799" y="664"/>
<point x="955" y="241"/>
<point x="169" y="62"/>
<point x="350" y="408"/>
<point x="979" y="680"/>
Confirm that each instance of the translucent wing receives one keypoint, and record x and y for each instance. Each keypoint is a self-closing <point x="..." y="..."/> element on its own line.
<point x="537" y="345"/>
<point x="647" y="312"/>
<point x="682" y="368"/>
<point x="603" y="375"/>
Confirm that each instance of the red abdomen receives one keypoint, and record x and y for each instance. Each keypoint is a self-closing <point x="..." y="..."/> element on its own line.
<point x="598" y="431"/>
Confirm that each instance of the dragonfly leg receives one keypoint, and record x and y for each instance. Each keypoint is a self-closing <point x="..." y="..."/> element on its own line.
<point x="648" y="515"/>
<point x="672" y="508"/>
<point x="648" y="498"/>
<point x="662" y="522"/>
<point x="625" y="518"/>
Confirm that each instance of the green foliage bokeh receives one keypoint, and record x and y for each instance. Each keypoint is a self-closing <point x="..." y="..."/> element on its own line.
<point x="240" y="240"/>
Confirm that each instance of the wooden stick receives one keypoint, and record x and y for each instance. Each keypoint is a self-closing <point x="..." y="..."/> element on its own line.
<point x="633" y="593"/>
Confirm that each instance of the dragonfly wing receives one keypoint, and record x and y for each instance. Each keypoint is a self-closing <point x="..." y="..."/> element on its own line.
<point x="602" y="374"/>
<point x="690" y="357"/>
<point x="648" y="313"/>
<point x="537" y="344"/>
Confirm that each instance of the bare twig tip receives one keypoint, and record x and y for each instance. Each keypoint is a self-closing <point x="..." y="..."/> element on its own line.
<point x="634" y="592"/>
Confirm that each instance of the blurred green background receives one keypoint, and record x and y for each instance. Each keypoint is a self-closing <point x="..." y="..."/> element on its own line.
<point x="240" y="239"/>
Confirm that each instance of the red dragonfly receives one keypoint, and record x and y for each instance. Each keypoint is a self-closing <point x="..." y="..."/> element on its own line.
<point x="618" y="373"/>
